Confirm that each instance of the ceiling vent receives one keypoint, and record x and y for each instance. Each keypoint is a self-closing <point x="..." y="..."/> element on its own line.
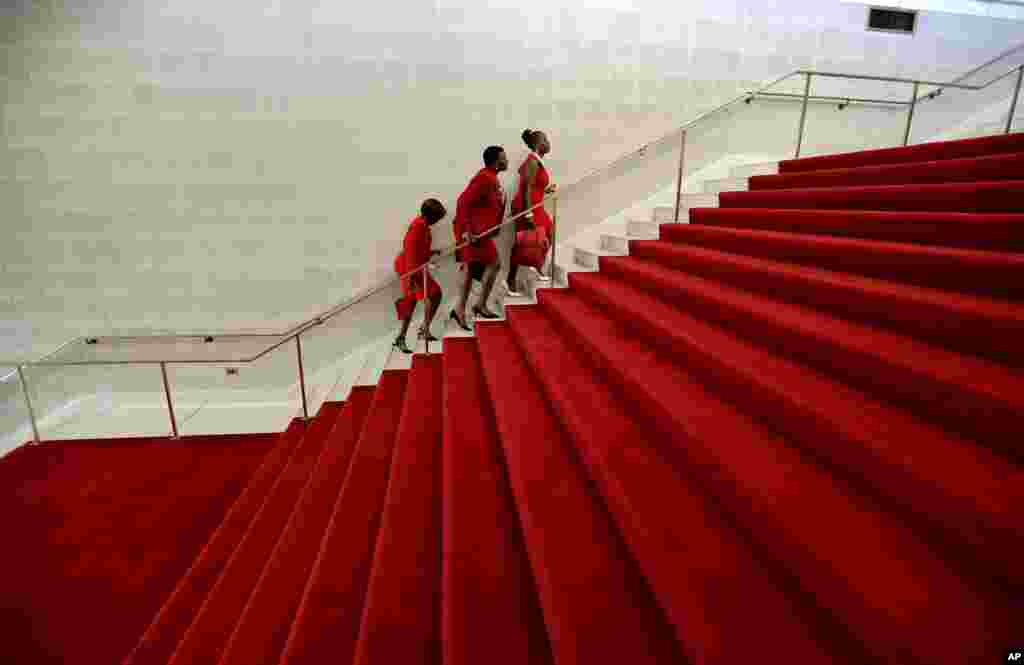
<point x="892" y="20"/>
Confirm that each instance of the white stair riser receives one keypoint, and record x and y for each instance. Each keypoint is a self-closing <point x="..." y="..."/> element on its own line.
<point x="726" y="185"/>
<point x="586" y="259"/>
<point x="642" y="229"/>
<point x="667" y="213"/>
<point x="617" y="244"/>
<point x="748" y="170"/>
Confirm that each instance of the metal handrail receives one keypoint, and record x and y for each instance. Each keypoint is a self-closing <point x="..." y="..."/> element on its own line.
<point x="300" y="328"/>
<point x="884" y="79"/>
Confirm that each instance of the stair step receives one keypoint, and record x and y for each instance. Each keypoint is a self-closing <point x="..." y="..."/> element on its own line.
<point x="748" y="170"/>
<point x="401" y="619"/>
<point x="964" y="323"/>
<point x="642" y="229"/>
<point x="588" y="258"/>
<point x="999" y="196"/>
<point x="974" y="497"/>
<point x="977" y="398"/>
<point x="923" y="152"/>
<point x="615" y="244"/>
<point x="995" y="232"/>
<point x="596" y="603"/>
<point x="857" y="561"/>
<point x="95" y="520"/>
<point x="682" y="552"/>
<point x="719" y="185"/>
<point x="990" y="274"/>
<point x="205" y="639"/>
<point x="328" y="618"/>
<point x="489" y="593"/>
<point x="1009" y="166"/>
<point x="667" y="213"/>
<point x="262" y="629"/>
<point x="157" y="643"/>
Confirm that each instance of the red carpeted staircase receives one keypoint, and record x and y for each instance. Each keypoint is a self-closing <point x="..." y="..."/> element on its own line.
<point x="787" y="432"/>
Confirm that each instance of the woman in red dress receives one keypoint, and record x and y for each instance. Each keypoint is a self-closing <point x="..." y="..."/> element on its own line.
<point x="534" y="183"/>
<point x="416" y="251"/>
<point x="480" y="209"/>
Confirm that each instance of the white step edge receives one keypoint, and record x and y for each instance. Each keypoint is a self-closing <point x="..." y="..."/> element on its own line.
<point x="642" y="228"/>
<point x="667" y="213"/>
<point x="748" y="170"/>
<point x="590" y="258"/>
<point x="726" y="185"/>
<point x="618" y="244"/>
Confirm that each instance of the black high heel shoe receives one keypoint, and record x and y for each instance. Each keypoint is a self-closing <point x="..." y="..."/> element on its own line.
<point x="425" y="334"/>
<point x="462" y="324"/>
<point x="400" y="345"/>
<point x="484" y="314"/>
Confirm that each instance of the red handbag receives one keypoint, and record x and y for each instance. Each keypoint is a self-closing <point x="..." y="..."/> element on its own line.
<point x="531" y="248"/>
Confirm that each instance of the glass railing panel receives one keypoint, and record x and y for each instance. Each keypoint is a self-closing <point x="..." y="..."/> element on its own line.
<point x="225" y="398"/>
<point x="954" y="113"/>
<point x="763" y="130"/>
<point x="337" y="351"/>
<point x="845" y="115"/>
<point x="15" y="424"/>
<point x="98" y="401"/>
<point x="157" y="346"/>
<point x="634" y="177"/>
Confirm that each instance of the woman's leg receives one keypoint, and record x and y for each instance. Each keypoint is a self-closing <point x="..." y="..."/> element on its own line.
<point x="467" y="286"/>
<point x="513" y="269"/>
<point x="490" y="276"/>
<point x="400" y="340"/>
<point x="432" y="305"/>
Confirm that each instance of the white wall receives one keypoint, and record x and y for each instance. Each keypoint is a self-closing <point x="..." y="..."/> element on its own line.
<point x="219" y="165"/>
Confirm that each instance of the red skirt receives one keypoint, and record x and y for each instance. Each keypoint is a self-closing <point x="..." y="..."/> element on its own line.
<point x="484" y="251"/>
<point x="541" y="220"/>
<point x="412" y="289"/>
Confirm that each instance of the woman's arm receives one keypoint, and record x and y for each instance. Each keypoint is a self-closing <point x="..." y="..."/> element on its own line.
<point x="416" y="247"/>
<point x="531" y="174"/>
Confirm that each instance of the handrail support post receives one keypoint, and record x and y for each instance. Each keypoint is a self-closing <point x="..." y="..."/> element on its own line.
<point x="170" y="402"/>
<point x="426" y="305"/>
<point x="1013" y="100"/>
<point x="679" y="176"/>
<point x="28" y="403"/>
<point x="803" y="113"/>
<point x="302" y="377"/>
<point x="910" y="113"/>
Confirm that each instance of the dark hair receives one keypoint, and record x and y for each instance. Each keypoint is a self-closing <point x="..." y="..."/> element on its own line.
<point x="529" y="137"/>
<point x="491" y="154"/>
<point x="432" y="210"/>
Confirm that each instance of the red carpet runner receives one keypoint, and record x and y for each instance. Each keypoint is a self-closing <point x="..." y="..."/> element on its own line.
<point x="787" y="432"/>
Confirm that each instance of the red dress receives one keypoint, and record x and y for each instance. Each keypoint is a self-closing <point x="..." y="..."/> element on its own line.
<point x="541" y="180"/>
<point x="480" y="208"/>
<point x="415" y="252"/>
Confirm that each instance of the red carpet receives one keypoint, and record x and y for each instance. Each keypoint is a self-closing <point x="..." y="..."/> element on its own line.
<point x="995" y="232"/>
<point x="967" y="148"/>
<point x="329" y="617"/>
<point x="974" y="169"/>
<point x="489" y="595"/>
<point x="101" y="533"/>
<point x="1001" y="196"/>
<point x="788" y="432"/>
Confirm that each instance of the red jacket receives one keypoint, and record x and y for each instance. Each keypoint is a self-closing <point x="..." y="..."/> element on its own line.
<point x="416" y="246"/>
<point x="480" y="208"/>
